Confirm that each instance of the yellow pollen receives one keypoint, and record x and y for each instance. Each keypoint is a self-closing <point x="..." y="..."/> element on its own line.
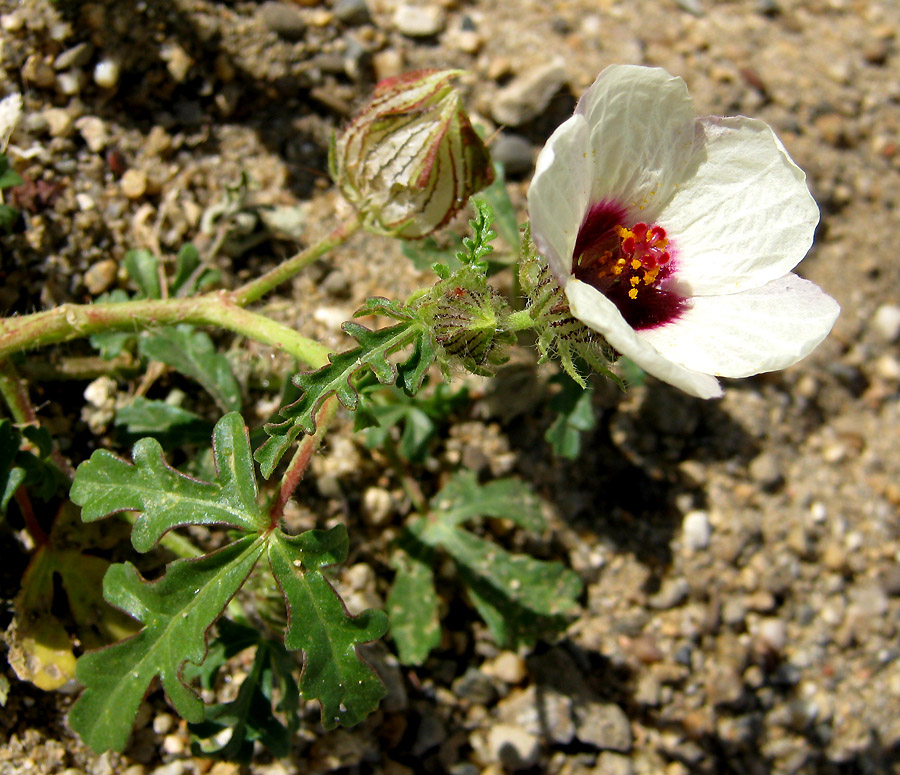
<point x="632" y="294"/>
<point x="635" y="263"/>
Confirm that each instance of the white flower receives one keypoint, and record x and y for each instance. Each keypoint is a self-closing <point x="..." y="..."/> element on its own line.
<point x="674" y="236"/>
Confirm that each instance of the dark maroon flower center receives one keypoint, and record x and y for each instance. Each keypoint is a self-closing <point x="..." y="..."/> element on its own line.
<point x="628" y="265"/>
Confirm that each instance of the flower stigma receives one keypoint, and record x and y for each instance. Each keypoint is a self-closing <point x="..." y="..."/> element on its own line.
<point x="627" y="264"/>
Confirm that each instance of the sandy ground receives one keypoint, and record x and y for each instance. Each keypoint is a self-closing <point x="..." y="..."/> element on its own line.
<point x="740" y="557"/>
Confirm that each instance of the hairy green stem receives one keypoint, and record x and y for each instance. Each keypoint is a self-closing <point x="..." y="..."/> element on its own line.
<point x="15" y="394"/>
<point x="519" y="321"/>
<point x="256" y="289"/>
<point x="221" y="308"/>
<point x="75" y="321"/>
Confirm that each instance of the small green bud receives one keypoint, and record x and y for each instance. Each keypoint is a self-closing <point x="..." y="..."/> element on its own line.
<point x="559" y="334"/>
<point x="411" y="158"/>
<point x="466" y="317"/>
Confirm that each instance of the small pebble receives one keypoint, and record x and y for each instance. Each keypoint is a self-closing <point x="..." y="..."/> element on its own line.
<point x="765" y="470"/>
<point x="419" y="21"/>
<point x="71" y="82"/>
<point x="93" y="130"/>
<point x="77" y="56"/>
<point x="173" y="744"/>
<point x="178" y="62"/>
<point x="888" y="368"/>
<point x="691" y="6"/>
<point x="163" y="723"/>
<point x="475" y="687"/>
<point x="59" y="122"/>
<point x="387" y="63"/>
<point x="611" y="763"/>
<point x="529" y="93"/>
<point x="672" y="592"/>
<point x="514" y="152"/>
<point x="889" y="580"/>
<point x="885" y="323"/>
<point x="514" y="747"/>
<point x="696" y="530"/>
<point x="38" y="71"/>
<point x="283" y="19"/>
<point x="508" y="667"/>
<point x="13" y="22"/>
<point x="603" y="725"/>
<point x="100" y="276"/>
<point x="134" y="183"/>
<point x="352" y="12"/>
<point x="106" y="73"/>
<point x="773" y="634"/>
<point x="377" y="506"/>
<point x="176" y="767"/>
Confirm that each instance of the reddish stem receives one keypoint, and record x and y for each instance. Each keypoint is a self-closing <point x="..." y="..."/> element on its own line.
<point x="31" y="524"/>
<point x="300" y="461"/>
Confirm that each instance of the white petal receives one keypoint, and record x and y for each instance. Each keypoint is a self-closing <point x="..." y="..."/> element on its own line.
<point x="642" y="134"/>
<point x="559" y="194"/>
<point x="745" y="216"/>
<point x="762" y="329"/>
<point x="596" y="311"/>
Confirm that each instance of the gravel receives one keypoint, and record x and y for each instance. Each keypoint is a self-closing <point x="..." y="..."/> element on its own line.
<point x="740" y="557"/>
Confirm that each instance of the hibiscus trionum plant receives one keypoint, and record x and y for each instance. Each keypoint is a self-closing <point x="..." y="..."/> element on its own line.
<point x="654" y="236"/>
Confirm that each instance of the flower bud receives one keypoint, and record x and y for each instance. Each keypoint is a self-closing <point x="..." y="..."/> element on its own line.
<point x="411" y="158"/>
<point x="466" y="317"/>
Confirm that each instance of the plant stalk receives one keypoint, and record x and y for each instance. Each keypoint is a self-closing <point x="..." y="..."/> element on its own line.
<point x="300" y="461"/>
<point x="256" y="289"/>
<point x="75" y="321"/>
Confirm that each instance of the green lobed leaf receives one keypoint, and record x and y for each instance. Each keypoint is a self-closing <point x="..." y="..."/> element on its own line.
<point x="337" y="378"/>
<point x="177" y="612"/>
<point x="193" y="353"/>
<point x="496" y="196"/>
<point x="22" y="467"/>
<point x="419" y="417"/>
<point x="318" y="623"/>
<point x="106" y="484"/>
<point x="8" y="217"/>
<point x="189" y="277"/>
<point x="8" y="176"/>
<point x="463" y="498"/>
<point x="143" y="267"/>
<point x="10" y="476"/>
<point x="575" y="415"/>
<point x="427" y="253"/>
<point x="519" y="597"/>
<point x="412" y="604"/>
<point x="477" y="247"/>
<point x="171" y="425"/>
<point x="250" y="716"/>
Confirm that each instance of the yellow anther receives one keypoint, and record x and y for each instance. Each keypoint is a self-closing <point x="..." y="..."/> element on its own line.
<point x="635" y="263"/>
<point x="632" y="294"/>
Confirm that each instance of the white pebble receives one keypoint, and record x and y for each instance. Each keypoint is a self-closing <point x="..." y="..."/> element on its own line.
<point x="163" y="723"/>
<point x="93" y="130"/>
<point x="773" y="633"/>
<point x="696" y="530"/>
<point x="417" y="21"/>
<point x="886" y="322"/>
<point x="106" y="73"/>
